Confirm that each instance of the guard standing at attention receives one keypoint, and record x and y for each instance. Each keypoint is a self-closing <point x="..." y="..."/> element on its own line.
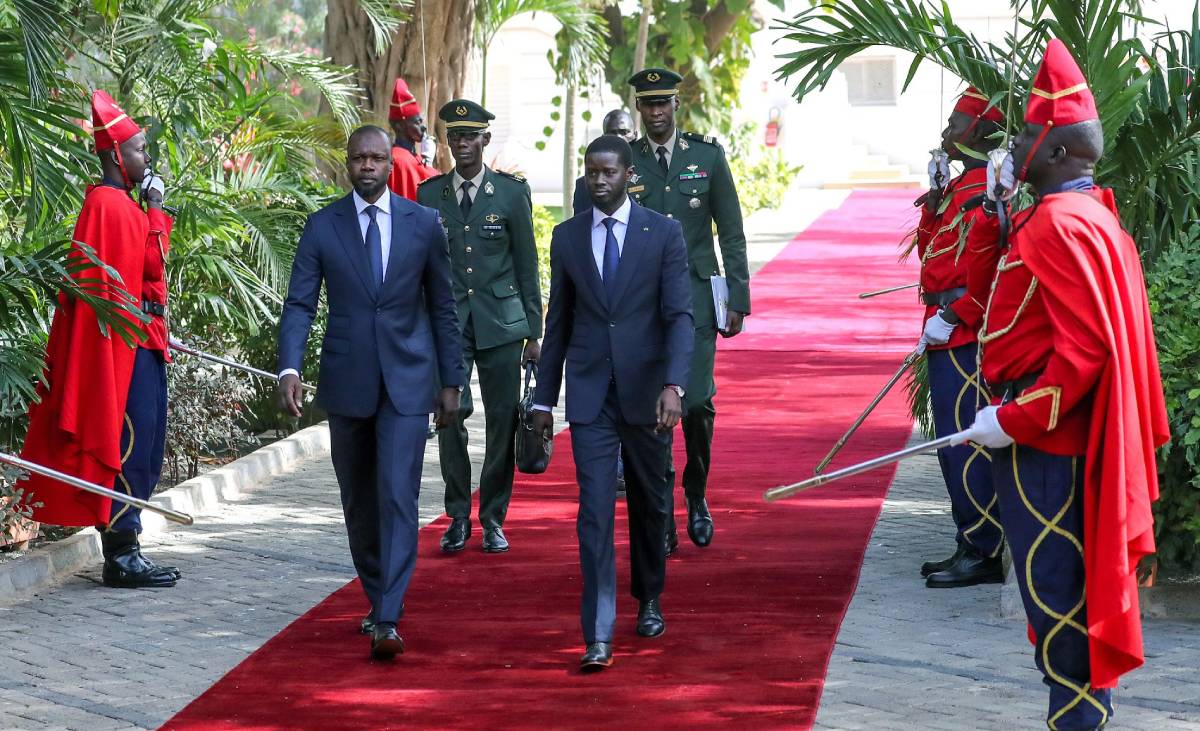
<point x="685" y="176"/>
<point x="102" y="413"/>
<point x="488" y="216"/>
<point x="952" y="317"/>
<point x="408" y="126"/>
<point x="1070" y="359"/>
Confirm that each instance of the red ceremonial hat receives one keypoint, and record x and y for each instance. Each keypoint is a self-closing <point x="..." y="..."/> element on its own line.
<point x="1060" y="94"/>
<point x="110" y="124"/>
<point x="974" y="103"/>
<point x="404" y="104"/>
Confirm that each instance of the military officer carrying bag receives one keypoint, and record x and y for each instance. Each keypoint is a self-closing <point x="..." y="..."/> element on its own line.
<point x="533" y="450"/>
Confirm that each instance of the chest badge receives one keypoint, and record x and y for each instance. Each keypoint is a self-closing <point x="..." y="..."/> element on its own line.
<point x="694" y="203"/>
<point x="633" y="179"/>
<point x="491" y="218"/>
<point x="692" y="168"/>
<point x="683" y="145"/>
<point x="489" y="188"/>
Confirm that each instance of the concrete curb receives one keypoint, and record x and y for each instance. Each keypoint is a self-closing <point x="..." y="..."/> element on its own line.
<point x="45" y="566"/>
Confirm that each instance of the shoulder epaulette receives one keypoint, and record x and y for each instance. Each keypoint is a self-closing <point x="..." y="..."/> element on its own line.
<point x="511" y="176"/>
<point x="430" y="180"/>
<point x="707" y="139"/>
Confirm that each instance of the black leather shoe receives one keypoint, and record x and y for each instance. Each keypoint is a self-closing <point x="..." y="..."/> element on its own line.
<point x="672" y="540"/>
<point x="700" y="523"/>
<point x="455" y="537"/>
<point x="367" y="627"/>
<point x="650" y="620"/>
<point x="155" y="567"/>
<point x="968" y="570"/>
<point x="932" y="567"/>
<point x="386" y="643"/>
<point x="597" y="657"/>
<point x="124" y="567"/>
<point x="494" y="541"/>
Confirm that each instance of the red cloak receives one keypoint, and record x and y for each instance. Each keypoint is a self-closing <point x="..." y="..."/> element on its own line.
<point x="1093" y="277"/>
<point x="76" y="425"/>
<point x="407" y="173"/>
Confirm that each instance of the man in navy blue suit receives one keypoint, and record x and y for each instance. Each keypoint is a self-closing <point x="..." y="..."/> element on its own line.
<point x="391" y="337"/>
<point x="620" y="317"/>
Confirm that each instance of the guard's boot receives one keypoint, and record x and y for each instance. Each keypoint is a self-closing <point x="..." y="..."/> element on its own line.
<point x="161" y="569"/>
<point x="970" y="569"/>
<point x="124" y="567"/>
<point x="932" y="567"/>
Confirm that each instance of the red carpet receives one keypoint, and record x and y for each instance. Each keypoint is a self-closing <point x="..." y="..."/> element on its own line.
<point x="493" y="641"/>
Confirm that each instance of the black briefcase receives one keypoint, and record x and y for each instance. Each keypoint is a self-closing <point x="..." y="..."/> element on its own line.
<point x="533" y="451"/>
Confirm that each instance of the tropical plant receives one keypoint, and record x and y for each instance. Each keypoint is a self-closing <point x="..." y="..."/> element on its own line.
<point x="1143" y="77"/>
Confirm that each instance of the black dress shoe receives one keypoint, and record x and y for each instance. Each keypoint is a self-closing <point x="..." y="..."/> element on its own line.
<point x="455" y="537"/>
<point x="494" y="540"/>
<point x="124" y="567"/>
<point x="968" y="570"/>
<point x="367" y="627"/>
<point x="650" y="620"/>
<point x="700" y="523"/>
<point x="932" y="567"/>
<point x="597" y="657"/>
<point x="671" y="540"/>
<point x="155" y="567"/>
<point x="386" y="643"/>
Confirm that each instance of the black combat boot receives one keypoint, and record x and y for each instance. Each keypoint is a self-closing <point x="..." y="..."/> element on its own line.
<point x="124" y="566"/>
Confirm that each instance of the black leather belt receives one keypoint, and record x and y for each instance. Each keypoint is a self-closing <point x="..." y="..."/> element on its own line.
<point x="942" y="299"/>
<point x="154" y="308"/>
<point x="1007" y="390"/>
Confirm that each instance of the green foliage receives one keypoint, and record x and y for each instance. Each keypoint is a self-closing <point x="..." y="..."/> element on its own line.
<point x="544" y="221"/>
<point x="1149" y="105"/>
<point x="762" y="175"/>
<point x="1176" y="310"/>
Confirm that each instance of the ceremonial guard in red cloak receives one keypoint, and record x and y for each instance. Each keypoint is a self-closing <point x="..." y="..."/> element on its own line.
<point x="408" y="168"/>
<point x="1069" y="355"/>
<point x="101" y="415"/>
<point x="952" y="317"/>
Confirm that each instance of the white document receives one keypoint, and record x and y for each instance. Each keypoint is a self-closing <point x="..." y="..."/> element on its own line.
<point x="720" y="292"/>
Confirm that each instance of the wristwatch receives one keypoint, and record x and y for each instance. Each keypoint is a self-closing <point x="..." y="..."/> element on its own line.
<point x="677" y="389"/>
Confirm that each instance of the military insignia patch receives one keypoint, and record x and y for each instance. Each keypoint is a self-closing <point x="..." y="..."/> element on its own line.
<point x="634" y="178"/>
<point x="491" y="218"/>
<point x="489" y="188"/>
<point x="694" y="203"/>
<point x="637" y="188"/>
<point x="692" y="168"/>
<point x="683" y="145"/>
<point x="653" y="76"/>
<point x="460" y="110"/>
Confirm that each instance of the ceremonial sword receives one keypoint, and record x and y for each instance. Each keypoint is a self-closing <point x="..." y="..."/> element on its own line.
<point x="182" y="348"/>
<point x="868" y="295"/>
<point x="912" y="358"/>
<point x="777" y="493"/>
<point x="171" y="515"/>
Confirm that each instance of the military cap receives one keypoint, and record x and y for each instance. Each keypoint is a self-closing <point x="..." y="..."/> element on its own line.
<point x="651" y="83"/>
<point x="464" y="114"/>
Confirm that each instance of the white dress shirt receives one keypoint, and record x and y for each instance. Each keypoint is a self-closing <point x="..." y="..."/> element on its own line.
<point x="600" y="232"/>
<point x="457" y="180"/>
<point x="383" y="218"/>
<point x="669" y="144"/>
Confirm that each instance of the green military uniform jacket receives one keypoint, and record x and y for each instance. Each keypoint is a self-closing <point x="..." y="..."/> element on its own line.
<point x="698" y="190"/>
<point x="493" y="256"/>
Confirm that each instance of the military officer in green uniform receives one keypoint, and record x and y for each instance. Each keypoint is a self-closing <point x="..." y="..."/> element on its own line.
<point x="488" y="216"/>
<point x="685" y="176"/>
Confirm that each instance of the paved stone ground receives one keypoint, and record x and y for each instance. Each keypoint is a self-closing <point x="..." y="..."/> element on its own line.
<point x="914" y="658"/>
<point x="81" y="656"/>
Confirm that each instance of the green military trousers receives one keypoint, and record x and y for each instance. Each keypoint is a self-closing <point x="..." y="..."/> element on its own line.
<point x="698" y="417"/>
<point x="500" y="384"/>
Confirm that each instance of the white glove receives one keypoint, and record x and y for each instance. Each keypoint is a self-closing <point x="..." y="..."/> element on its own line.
<point x="986" y="430"/>
<point x="937" y="330"/>
<point x="938" y="169"/>
<point x="153" y="182"/>
<point x="428" y="149"/>
<point x="921" y="345"/>
<point x="1001" y="181"/>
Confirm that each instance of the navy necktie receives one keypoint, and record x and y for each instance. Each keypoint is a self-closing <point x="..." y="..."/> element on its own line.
<point x="612" y="257"/>
<point x="662" y="158"/>
<point x="464" y="205"/>
<point x="374" y="246"/>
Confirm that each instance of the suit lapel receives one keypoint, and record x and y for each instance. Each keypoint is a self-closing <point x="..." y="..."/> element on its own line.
<point x="483" y="197"/>
<point x="631" y="253"/>
<point x="583" y="245"/>
<point x="346" y="226"/>
<point x="448" y="204"/>
<point x="401" y="239"/>
<point x="646" y="147"/>
<point x="678" y="157"/>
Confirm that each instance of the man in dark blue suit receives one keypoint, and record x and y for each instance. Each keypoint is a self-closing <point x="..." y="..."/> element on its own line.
<point x="620" y="317"/>
<point x="391" y="337"/>
<point x="617" y="122"/>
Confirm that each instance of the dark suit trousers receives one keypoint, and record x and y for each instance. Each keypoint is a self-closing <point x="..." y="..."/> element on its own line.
<point x="378" y="465"/>
<point x="500" y="384"/>
<point x="596" y="447"/>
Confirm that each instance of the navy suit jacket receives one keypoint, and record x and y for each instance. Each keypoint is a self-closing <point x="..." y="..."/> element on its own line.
<point x="643" y="342"/>
<point x="403" y="336"/>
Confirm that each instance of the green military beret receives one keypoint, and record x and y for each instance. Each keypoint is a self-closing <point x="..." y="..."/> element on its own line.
<point x="464" y="114"/>
<point x="651" y="83"/>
